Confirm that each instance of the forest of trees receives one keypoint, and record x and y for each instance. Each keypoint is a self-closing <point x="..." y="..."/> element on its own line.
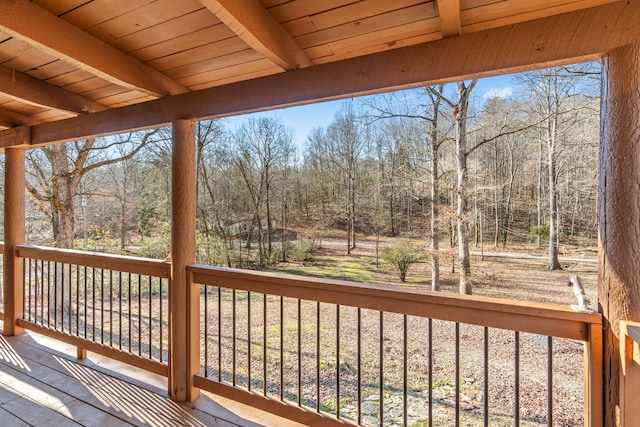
<point x="432" y="164"/>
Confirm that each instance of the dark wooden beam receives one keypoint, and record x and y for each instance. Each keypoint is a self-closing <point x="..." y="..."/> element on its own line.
<point x="572" y="37"/>
<point x="33" y="91"/>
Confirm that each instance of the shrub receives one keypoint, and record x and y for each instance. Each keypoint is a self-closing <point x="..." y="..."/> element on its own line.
<point x="402" y="256"/>
<point x="302" y="251"/>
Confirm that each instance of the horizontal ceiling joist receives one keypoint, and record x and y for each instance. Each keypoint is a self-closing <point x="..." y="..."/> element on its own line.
<point x="33" y="91"/>
<point x="256" y="27"/>
<point x="449" y="11"/>
<point x="577" y="36"/>
<point x="35" y="26"/>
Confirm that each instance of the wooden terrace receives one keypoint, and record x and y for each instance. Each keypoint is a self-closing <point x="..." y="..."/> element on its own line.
<point x="43" y="383"/>
<point x="77" y="69"/>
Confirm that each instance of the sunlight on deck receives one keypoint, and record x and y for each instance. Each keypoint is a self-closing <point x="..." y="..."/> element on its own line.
<point x="9" y="354"/>
<point x="132" y="401"/>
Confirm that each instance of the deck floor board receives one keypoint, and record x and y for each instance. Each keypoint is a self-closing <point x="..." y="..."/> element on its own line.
<point x="42" y="383"/>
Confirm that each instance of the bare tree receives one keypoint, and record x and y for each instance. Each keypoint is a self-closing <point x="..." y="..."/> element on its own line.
<point x="426" y="109"/>
<point x="551" y="93"/>
<point x="347" y="143"/>
<point x="55" y="173"/>
<point x="262" y="147"/>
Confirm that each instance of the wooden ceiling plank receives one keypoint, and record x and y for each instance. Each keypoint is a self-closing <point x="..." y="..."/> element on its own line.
<point x="201" y="53"/>
<point x="392" y="38"/>
<point x="156" y="13"/>
<point x="409" y="41"/>
<point x="51" y="70"/>
<point x="561" y="39"/>
<point x="11" y="118"/>
<point x="355" y="13"/>
<point x="472" y="20"/>
<point x="98" y="11"/>
<point x="176" y="45"/>
<point x="233" y="73"/>
<point x="301" y="8"/>
<point x="181" y="29"/>
<point x="24" y="20"/>
<point x="58" y="7"/>
<point x="450" y="22"/>
<point x="253" y="24"/>
<point x="215" y="64"/>
<point x="385" y="22"/>
<point x="33" y="91"/>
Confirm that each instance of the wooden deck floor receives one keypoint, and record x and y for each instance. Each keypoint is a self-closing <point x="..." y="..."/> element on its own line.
<point x="43" y="384"/>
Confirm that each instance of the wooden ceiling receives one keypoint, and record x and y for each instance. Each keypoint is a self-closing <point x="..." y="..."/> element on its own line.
<point x="61" y="60"/>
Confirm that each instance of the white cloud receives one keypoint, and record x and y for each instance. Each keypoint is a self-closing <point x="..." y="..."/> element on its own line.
<point x="495" y="92"/>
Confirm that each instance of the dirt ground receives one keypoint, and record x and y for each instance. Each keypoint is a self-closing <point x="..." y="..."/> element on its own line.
<point x="516" y="364"/>
<point x="511" y="273"/>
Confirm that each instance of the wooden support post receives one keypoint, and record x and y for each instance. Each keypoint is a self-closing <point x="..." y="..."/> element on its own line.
<point x="182" y="363"/>
<point x="14" y="188"/>
<point x="593" y="377"/>
<point x="81" y="353"/>
<point x="618" y="212"/>
<point x="629" y="373"/>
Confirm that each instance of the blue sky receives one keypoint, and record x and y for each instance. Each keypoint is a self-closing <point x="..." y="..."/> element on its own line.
<point x="304" y="118"/>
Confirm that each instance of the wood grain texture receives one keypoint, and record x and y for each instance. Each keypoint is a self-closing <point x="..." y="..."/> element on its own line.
<point x="450" y="22"/>
<point x="253" y="24"/>
<point x="542" y="319"/>
<point x="26" y="21"/>
<point x="618" y="210"/>
<point x="576" y="36"/>
<point x="34" y="91"/>
<point x="630" y="373"/>
<point x="128" y="264"/>
<point x="14" y="234"/>
<point x="183" y="253"/>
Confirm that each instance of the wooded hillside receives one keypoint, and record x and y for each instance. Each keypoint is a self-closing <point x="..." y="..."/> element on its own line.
<point x="438" y="164"/>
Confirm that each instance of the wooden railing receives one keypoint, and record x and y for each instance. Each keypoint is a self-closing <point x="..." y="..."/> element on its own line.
<point x="113" y="305"/>
<point x="2" y="280"/>
<point x="325" y="352"/>
<point x="630" y="373"/>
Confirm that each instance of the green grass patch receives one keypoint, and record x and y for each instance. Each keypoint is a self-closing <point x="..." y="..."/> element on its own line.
<point x="338" y="268"/>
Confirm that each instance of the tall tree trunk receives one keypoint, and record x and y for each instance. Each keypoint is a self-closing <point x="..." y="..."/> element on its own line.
<point x="460" y="114"/>
<point x="553" y="264"/>
<point x="436" y="99"/>
<point x="435" y="256"/>
<point x="539" y="193"/>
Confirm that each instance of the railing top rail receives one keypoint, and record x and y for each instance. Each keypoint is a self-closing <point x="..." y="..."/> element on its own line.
<point x="127" y="264"/>
<point x="631" y="329"/>
<point x="546" y="319"/>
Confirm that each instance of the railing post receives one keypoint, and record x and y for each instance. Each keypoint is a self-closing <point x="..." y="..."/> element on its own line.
<point x="618" y="211"/>
<point x="183" y="243"/>
<point x="629" y="374"/>
<point x="14" y="189"/>
<point x="593" y="397"/>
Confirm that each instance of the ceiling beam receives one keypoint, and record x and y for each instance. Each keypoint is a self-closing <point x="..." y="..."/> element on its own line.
<point x="26" y="21"/>
<point x="449" y="11"/>
<point x="33" y="91"/>
<point x="11" y="119"/>
<point x="561" y="39"/>
<point x="253" y="24"/>
<point x="14" y="137"/>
